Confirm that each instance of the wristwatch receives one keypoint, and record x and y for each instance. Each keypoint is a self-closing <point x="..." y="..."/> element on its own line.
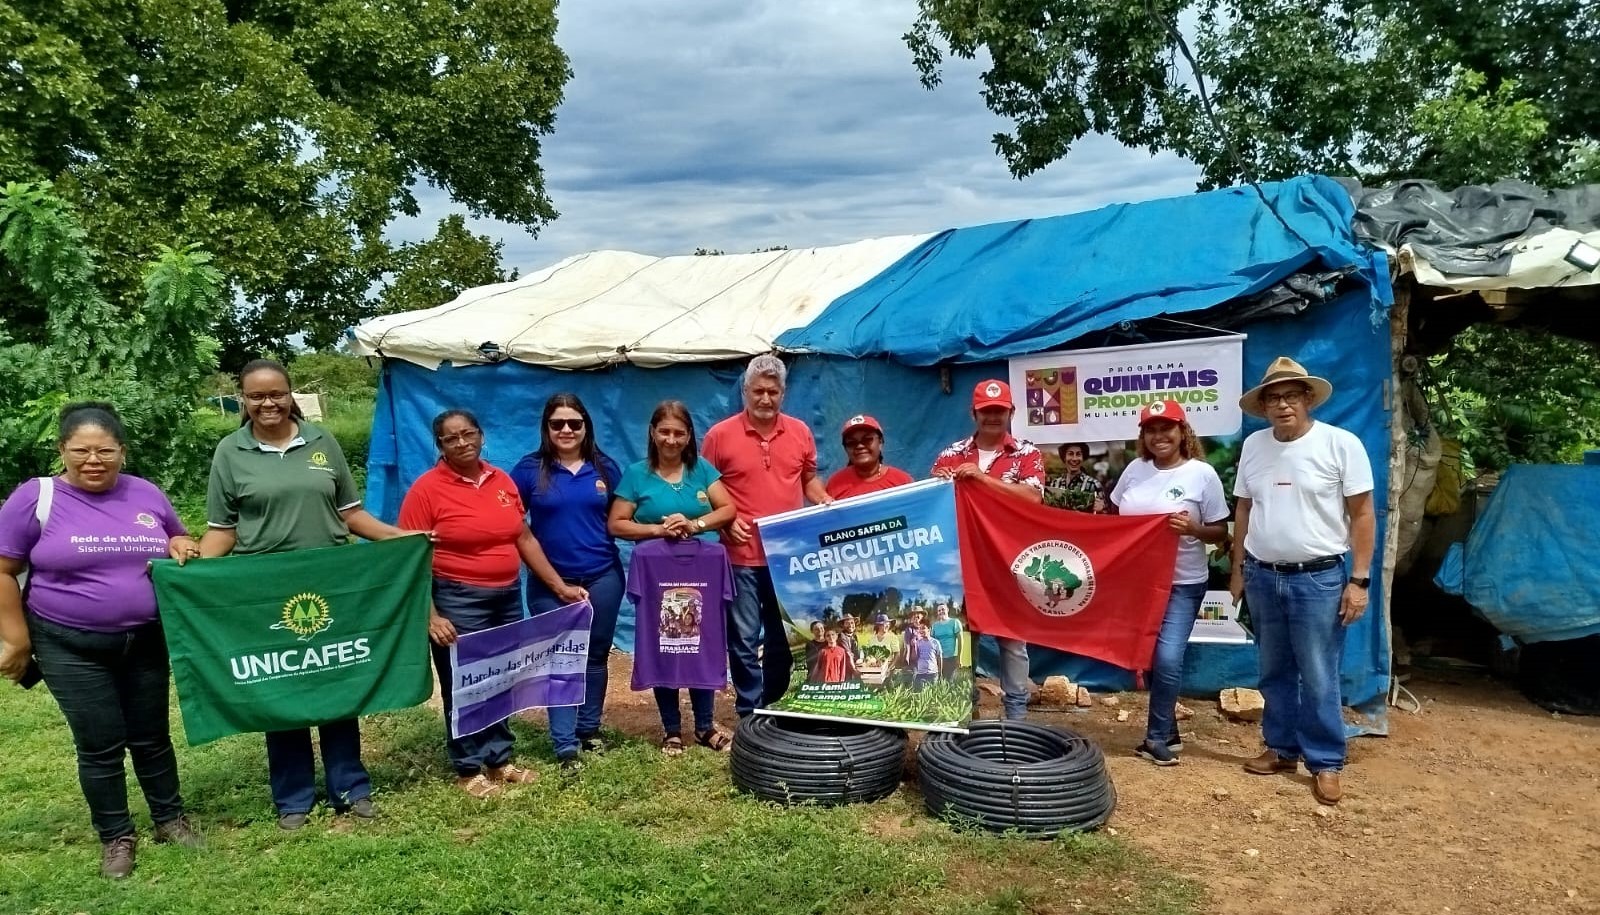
<point x="1361" y="582"/>
<point x="700" y="524"/>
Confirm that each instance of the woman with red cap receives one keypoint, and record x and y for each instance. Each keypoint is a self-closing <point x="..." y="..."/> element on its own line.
<point x="866" y="472"/>
<point x="1172" y="478"/>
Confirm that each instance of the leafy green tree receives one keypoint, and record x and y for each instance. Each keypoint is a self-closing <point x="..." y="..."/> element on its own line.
<point x="1371" y="88"/>
<point x="285" y="134"/>
<point x="432" y="272"/>
<point x="148" y="359"/>
<point x="1514" y="396"/>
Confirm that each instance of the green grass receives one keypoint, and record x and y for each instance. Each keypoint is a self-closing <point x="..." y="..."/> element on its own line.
<point x="634" y="833"/>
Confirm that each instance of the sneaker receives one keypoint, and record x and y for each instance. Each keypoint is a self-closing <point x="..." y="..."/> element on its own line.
<point x="289" y="822"/>
<point x="593" y="743"/>
<point x="512" y="774"/>
<point x="1270" y="763"/>
<point x="178" y="832"/>
<point x="363" y="807"/>
<point x="1157" y="753"/>
<point x="570" y="765"/>
<point x="116" y="857"/>
<point x="478" y="785"/>
<point x="1175" y="743"/>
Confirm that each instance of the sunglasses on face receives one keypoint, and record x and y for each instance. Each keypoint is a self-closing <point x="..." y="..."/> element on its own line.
<point x="556" y="425"/>
<point x="859" y="441"/>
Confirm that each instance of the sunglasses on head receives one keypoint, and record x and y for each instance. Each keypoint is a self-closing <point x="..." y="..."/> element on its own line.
<point x="556" y="425"/>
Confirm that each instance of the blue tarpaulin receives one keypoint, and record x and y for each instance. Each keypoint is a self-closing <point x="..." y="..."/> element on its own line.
<point x="1521" y="567"/>
<point x="908" y="346"/>
<point x="1017" y="288"/>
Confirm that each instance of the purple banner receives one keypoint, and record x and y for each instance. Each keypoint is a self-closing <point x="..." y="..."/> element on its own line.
<point x="538" y="662"/>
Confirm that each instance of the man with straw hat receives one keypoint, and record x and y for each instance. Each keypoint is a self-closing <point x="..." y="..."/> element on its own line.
<point x="1302" y="556"/>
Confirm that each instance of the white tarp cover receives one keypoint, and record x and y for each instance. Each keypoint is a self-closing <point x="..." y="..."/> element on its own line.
<point x="607" y="307"/>
<point x="1538" y="262"/>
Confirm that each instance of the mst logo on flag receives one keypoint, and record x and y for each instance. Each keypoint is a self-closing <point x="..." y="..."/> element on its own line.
<point x="1094" y="585"/>
<point x="1055" y="576"/>
<point x="276" y="641"/>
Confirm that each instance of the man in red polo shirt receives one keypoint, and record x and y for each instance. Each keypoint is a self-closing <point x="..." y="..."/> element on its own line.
<point x="997" y="459"/>
<point x="768" y="462"/>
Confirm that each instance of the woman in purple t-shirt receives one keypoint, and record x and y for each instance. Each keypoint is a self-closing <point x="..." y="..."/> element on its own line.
<point x="88" y="617"/>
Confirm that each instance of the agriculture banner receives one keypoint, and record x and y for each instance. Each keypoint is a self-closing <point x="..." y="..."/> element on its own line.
<point x="1094" y="585"/>
<point x="275" y="641"/>
<point x="1095" y="395"/>
<point x="536" y="662"/>
<point x="871" y="589"/>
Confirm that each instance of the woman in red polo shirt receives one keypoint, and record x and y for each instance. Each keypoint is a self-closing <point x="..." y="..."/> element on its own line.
<point x="481" y="542"/>
<point x="865" y="471"/>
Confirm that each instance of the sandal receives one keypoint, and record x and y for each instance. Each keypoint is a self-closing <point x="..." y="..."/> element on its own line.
<point x="715" y="739"/>
<point x="672" y="745"/>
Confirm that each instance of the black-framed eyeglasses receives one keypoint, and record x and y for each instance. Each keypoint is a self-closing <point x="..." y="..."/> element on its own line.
<point x="1288" y="397"/>
<point x="276" y="397"/>
<point x="574" y="425"/>
<point x="462" y="438"/>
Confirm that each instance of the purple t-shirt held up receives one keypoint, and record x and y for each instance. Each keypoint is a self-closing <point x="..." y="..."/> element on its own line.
<point x="88" y="568"/>
<point x="681" y="590"/>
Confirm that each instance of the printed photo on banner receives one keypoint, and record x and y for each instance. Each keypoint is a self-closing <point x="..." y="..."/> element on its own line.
<point x="1096" y="395"/>
<point x="871" y="591"/>
<point x="538" y="662"/>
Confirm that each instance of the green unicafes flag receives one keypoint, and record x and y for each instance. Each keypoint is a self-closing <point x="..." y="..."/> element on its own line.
<point x="275" y="641"/>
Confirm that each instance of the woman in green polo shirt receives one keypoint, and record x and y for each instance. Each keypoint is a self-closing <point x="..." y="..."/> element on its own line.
<point x="277" y="484"/>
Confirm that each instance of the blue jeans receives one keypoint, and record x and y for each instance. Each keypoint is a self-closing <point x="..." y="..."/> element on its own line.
<point x="568" y="724"/>
<point x="471" y="608"/>
<point x="1301" y="641"/>
<point x="292" y="769"/>
<point x="759" y="658"/>
<point x="1166" y="669"/>
<point x="112" y="689"/>
<point x="701" y="701"/>
<point x="1013" y="675"/>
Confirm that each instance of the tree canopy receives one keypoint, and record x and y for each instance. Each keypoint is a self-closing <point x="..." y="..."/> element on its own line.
<point x="149" y="362"/>
<point x="1368" y="88"/>
<point x="284" y="135"/>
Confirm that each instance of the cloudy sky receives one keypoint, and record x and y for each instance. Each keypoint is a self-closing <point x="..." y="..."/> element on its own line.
<point x="739" y="124"/>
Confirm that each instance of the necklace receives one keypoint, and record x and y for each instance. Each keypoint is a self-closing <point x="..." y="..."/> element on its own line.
<point x="676" y="487"/>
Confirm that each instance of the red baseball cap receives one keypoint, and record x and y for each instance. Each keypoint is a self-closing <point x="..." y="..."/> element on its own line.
<point x="1162" y="409"/>
<point x="860" y="421"/>
<point x="992" y="393"/>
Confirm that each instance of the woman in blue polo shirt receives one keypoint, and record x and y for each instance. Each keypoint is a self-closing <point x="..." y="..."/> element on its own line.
<point x="567" y="486"/>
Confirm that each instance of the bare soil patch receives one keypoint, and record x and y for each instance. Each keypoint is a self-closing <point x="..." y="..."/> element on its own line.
<point x="1482" y="803"/>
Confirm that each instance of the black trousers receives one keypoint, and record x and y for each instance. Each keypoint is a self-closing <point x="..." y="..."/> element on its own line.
<point x="112" y="688"/>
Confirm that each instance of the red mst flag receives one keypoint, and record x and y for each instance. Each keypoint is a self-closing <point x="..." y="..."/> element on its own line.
<point x="1094" y="585"/>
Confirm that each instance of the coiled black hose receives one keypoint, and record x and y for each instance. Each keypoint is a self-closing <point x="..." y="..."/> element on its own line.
<point x="794" y="760"/>
<point x="1005" y="775"/>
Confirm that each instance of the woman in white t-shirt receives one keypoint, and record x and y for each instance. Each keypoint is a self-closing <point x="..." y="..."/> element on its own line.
<point x="1172" y="478"/>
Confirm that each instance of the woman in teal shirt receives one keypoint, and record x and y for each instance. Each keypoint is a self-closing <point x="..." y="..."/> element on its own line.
<point x="947" y="629"/>
<point x="674" y="494"/>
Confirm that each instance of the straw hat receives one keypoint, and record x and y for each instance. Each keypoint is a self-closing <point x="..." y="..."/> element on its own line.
<point x="1285" y="369"/>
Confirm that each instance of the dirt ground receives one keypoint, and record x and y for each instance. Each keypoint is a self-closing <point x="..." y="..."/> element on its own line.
<point x="1482" y="803"/>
